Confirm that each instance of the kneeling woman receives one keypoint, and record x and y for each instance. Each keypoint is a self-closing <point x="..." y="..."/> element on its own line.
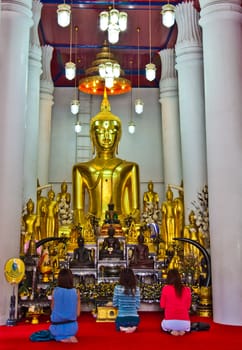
<point x="175" y="300"/>
<point x="65" y="308"/>
<point x="126" y="298"/>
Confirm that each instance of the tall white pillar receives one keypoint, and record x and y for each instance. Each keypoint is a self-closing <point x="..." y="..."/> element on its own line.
<point x="16" y="20"/>
<point x="32" y="115"/>
<point x="189" y="65"/>
<point x="46" y="103"/>
<point x="222" y="44"/>
<point x="170" y="119"/>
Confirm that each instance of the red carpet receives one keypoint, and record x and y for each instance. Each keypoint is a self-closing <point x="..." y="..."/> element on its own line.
<point x="94" y="335"/>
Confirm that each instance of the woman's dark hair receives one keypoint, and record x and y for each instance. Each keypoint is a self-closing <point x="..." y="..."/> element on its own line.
<point x="65" y="279"/>
<point x="174" y="278"/>
<point x="127" y="279"/>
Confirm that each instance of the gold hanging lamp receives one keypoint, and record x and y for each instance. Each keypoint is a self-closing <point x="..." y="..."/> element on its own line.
<point x="94" y="84"/>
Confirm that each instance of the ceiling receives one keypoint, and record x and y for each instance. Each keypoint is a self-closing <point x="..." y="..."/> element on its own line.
<point x="88" y="40"/>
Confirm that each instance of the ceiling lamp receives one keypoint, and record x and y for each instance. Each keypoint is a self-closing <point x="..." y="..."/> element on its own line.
<point x="113" y="21"/>
<point x="131" y="127"/>
<point x="75" y="103"/>
<point x="150" y="68"/>
<point x="109" y="71"/>
<point x="75" y="106"/>
<point x="131" y="124"/>
<point x="70" y="67"/>
<point x="139" y="104"/>
<point x="63" y="14"/>
<point x="78" y="126"/>
<point x="168" y="15"/>
<point x="96" y="79"/>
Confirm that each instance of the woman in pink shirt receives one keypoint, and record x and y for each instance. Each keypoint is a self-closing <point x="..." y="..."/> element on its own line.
<point x="176" y="301"/>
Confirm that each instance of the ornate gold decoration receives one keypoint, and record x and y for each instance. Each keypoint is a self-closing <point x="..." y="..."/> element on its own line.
<point x="14" y="270"/>
<point x="93" y="84"/>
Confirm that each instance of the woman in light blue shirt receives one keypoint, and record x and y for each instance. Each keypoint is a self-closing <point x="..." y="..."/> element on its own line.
<point x="126" y="298"/>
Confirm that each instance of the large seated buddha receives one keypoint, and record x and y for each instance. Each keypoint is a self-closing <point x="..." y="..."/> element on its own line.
<point x="106" y="178"/>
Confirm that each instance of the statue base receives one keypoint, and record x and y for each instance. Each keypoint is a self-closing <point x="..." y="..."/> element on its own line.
<point x="117" y="227"/>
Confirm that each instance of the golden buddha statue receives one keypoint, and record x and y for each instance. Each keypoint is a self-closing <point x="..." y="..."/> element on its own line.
<point x="132" y="233"/>
<point x="88" y="232"/>
<point x="191" y="231"/>
<point x="179" y="212"/>
<point x="105" y="178"/>
<point x="29" y="221"/>
<point x="50" y="211"/>
<point x="150" y="197"/>
<point x="64" y="195"/>
<point x="168" y="219"/>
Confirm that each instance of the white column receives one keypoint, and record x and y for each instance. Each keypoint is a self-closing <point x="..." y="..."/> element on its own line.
<point x="15" y="27"/>
<point x="222" y="42"/>
<point x="170" y="119"/>
<point x="46" y="103"/>
<point x="189" y="65"/>
<point x="32" y="115"/>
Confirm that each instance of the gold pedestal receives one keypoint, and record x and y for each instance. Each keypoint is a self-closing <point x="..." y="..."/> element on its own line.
<point x="117" y="227"/>
<point x="106" y="314"/>
<point x="205" y="304"/>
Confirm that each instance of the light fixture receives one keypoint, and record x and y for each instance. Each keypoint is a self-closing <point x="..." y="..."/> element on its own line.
<point x="131" y="124"/>
<point x="150" y="68"/>
<point x="94" y="84"/>
<point x="75" y="103"/>
<point x="70" y="67"/>
<point x="63" y="14"/>
<point x="109" y="71"/>
<point x="113" y="21"/>
<point x="131" y="127"/>
<point x="139" y="104"/>
<point x="78" y="126"/>
<point x="168" y="14"/>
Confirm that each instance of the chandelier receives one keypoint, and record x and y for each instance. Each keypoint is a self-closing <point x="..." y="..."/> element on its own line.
<point x="105" y="63"/>
<point x="114" y="22"/>
<point x="168" y="15"/>
<point x="63" y="15"/>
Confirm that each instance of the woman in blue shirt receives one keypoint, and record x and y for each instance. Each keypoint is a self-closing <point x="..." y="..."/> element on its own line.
<point x="65" y="308"/>
<point x="126" y="298"/>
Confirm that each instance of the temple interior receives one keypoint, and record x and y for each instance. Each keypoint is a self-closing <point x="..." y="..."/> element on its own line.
<point x="108" y="187"/>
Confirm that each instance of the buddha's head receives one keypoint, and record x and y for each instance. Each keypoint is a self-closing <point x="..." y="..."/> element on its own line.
<point x="30" y="206"/>
<point x="105" y="129"/>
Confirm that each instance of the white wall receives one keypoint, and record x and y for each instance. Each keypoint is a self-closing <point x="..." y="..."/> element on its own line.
<point x="144" y="147"/>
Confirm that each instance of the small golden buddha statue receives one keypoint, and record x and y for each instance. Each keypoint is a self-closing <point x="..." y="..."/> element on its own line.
<point x="88" y="233"/>
<point x="105" y="178"/>
<point x="168" y="218"/>
<point x="132" y="234"/>
<point x="29" y="221"/>
<point x="150" y="197"/>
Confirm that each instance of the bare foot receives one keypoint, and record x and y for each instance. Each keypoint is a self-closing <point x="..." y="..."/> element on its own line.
<point x="182" y="333"/>
<point x="70" y="340"/>
<point x="176" y="333"/>
<point x="131" y="329"/>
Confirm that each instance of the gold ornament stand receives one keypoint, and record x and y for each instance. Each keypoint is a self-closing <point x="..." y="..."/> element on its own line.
<point x="106" y="314"/>
<point x="205" y="304"/>
<point x="14" y="270"/>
